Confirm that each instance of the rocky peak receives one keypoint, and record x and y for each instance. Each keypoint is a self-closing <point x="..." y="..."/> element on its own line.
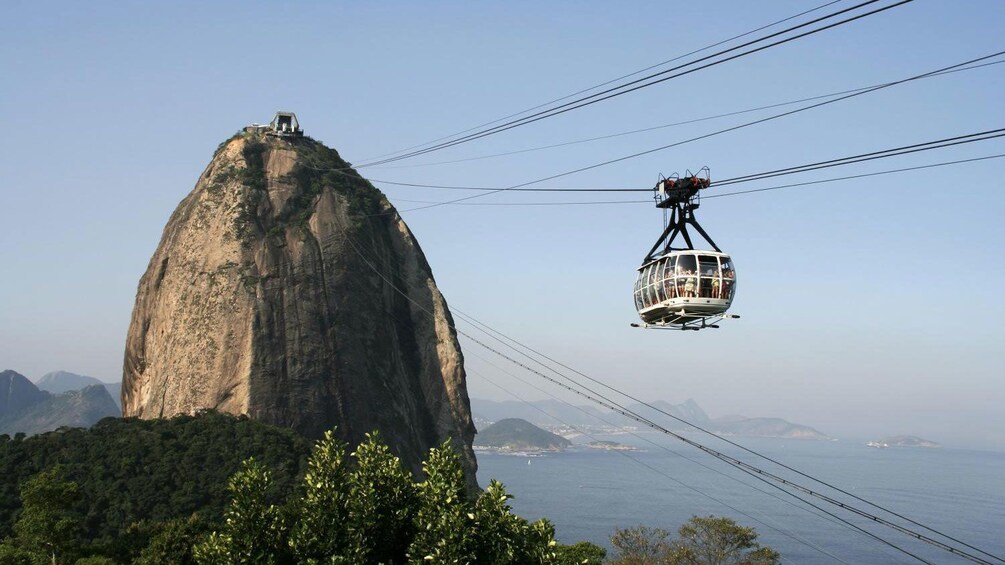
<point x="17" y="393"/>
<point x="287" y="288"/>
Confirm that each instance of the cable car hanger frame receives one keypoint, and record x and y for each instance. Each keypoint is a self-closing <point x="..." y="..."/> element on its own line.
<point x="679" y="197"/>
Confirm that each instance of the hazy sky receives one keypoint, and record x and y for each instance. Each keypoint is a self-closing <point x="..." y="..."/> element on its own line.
<point x="869" y="307"/>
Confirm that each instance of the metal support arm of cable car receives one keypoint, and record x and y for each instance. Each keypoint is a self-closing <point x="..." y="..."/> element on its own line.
<point x="681" y="198"/>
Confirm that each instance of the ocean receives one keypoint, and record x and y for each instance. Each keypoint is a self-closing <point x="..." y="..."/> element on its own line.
<point x="589" y="493"/>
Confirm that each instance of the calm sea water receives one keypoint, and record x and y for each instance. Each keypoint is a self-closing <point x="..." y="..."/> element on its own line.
<point x="587" y="494"/>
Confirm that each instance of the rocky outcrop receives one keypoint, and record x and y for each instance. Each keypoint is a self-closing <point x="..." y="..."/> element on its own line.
<point x="287" y="288"/>
<point x="17" y="393"/>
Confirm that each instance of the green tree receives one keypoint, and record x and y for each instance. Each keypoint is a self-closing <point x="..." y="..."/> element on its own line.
<point x="254" y="530"/>
<point x="47" y="528"/>
<point x="720" y="541"/>
<point x="373" y="512"/>
<point x="318" y="530"/>
<point x="581" y="553"/>
<point x="11" y="554"/>
<point x="171" y="542"/>
<point x="503" y="537"/>
<point x="701" y="541"/>
<point x="383" y="500"/>
<point x="444" y="532"/>
<point x="642" y="545"/>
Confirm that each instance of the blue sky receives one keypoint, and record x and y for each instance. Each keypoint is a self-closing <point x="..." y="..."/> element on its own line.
<point x="869" y="307"/>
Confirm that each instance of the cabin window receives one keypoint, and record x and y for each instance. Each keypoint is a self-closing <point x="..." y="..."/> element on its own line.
<point x="667" y="279"/>
<point x="658" y="275"/>
<point x="647" y="290"/>
<point x="708" y="286"/>
<point x="687" y="281"/>
<point x="686" y="265"/>
<point x="727" y="268"/>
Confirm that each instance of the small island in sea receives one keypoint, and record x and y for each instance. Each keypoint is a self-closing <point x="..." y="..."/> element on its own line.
<point x="902" y="441"/>
<point x="513" y="435"/>
<point x="611" y="446"/>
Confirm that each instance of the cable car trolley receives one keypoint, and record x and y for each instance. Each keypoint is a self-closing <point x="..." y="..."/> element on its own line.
<point x="683" y="288"/>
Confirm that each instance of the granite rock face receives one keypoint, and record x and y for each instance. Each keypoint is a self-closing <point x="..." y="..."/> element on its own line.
<point x="287" y="288"/>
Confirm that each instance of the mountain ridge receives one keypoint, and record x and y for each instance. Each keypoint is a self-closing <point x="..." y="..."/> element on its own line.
<point x="24" y="408"/>
<point x="557" y="414"/>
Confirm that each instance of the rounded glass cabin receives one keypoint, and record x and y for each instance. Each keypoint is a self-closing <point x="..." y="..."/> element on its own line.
<point x="682" y="286"/>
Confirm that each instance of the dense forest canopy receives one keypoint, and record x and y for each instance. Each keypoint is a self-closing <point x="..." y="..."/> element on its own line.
<point x="132" y="470"/>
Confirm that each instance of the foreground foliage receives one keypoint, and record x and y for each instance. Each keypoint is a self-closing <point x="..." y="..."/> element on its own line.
<point x="215" y="489"/>
<point x="707" y="540"/>
<point x="373" y="512"/>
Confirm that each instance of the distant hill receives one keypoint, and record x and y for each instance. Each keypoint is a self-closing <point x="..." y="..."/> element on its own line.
<point x="904" y="441"/>
<point x="26" y="409"/>
<point x="514" y="433"/>
<point x="688" y="411"/>
<point x="555" y="413"/>
<point x="58" y="382"/>
<point x="541" y="412"/>
<point x="765" y="427"/>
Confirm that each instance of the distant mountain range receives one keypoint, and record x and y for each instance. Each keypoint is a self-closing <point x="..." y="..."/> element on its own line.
<point x="555" y="413"/>
<point x="541" y="412"/>
<point x="58" y="382"/>
<point x="24" y="408"/>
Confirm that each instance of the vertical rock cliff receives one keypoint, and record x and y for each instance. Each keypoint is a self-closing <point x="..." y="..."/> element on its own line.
<point x="287" y="288"/>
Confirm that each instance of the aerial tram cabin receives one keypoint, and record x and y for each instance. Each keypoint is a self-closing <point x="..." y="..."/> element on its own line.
<point x="683" y="287"/>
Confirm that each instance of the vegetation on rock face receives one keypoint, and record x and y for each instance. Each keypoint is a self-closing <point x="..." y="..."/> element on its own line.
<point x="319" y="167"/>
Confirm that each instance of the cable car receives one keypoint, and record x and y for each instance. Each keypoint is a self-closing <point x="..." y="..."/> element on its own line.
<point x="683" y="287"/>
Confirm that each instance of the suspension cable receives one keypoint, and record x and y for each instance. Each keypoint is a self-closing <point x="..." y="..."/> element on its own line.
<point x="662" y="126"/>
<point x="611" y="81"/>
<point x="708" y="135"/>
<point x="634" y="85"/>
